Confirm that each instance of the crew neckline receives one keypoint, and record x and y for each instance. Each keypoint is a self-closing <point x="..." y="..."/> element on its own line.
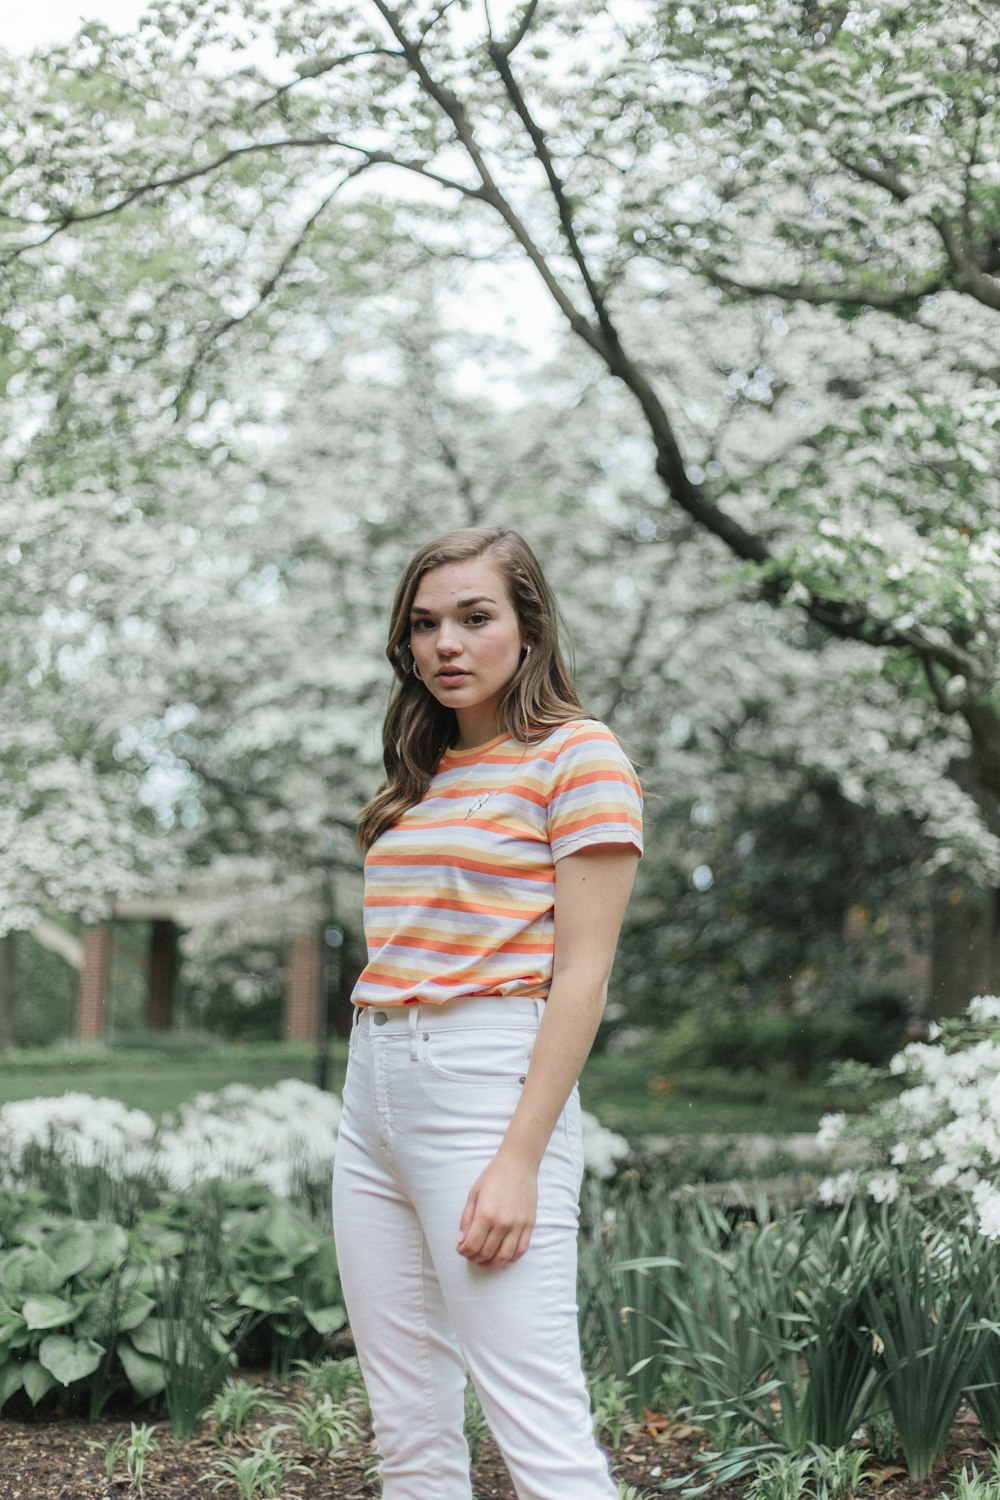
<point x="453" y="754"/>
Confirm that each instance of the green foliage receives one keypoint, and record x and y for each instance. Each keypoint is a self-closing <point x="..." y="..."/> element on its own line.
<point x="973" y="1484"/>
<point x="841" y="1472"/>
<point x="134" y="1447"/>
<point x="620" y="1309"/>
<point x="757" y="1319"/>
<point x="141" y="1443"/>
<point x="257" y="1475"/>
<point x="322" y="1426"/>
<point x="881" y="1434"/>
<point x="610" y="1399"/>
<point x="236" y="1404"/>
<point x="790" y="1045"/>
<point x="340" y="1379"/>
<point x="821" y="1474"/>
<point x="793" y="1331"/>
<point x="782" y="1477"/>
<point x="984" y="1395"/>
<point x="920" y="1306"/>
<point x="474" y="1425"/>
<point x="161" y="1308"/>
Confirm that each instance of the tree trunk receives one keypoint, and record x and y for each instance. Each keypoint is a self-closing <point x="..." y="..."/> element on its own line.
<point x="6" y="992"/>
<point x="162" y="974"/>
<point x="965" y="956"/>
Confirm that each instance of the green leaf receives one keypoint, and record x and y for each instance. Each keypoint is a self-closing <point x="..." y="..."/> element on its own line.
<point x="11" y="1380"/>
<point x="150" y="1337"/>
<point x="110" y="1244"/>
<point x="48" y="1311"/>
<point x="72" y="1249"/>
<point x="113" y="1310"/>
<point x="263" y="1298"/>
<point x="14" y="1331"/>
<point x="37" y="1381"/>
<point x="165" y="1240"/>
<point x="69" y="1359"/>
<point x="288" y="1234"/>
<point x="146" y="1374"/>
<point x="25" y="1272"/>
<point x="35" y="1226"/>
<point x="326" y="1319"/>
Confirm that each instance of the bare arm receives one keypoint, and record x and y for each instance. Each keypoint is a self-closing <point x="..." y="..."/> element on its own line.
<point x="592" y="891"/>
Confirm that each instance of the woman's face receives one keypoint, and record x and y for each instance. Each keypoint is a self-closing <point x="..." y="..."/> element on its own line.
<point x="466" y="641"/>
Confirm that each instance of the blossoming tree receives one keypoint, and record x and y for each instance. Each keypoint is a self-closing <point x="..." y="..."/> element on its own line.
<point x="769" y="232"/>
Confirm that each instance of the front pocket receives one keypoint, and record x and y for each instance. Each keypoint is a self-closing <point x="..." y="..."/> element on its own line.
<point x="480" y="1054"/>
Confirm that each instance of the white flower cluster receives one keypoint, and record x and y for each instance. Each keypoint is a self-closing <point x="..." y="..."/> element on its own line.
<point x="280" y="1135"/>
<point x="283" y="1136"/>
<point x="603" y="1149"/>
<point x="78" y="1127"/>
<point x="943" y="1131"/>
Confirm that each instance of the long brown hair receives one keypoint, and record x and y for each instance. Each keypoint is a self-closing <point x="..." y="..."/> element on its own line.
<point x="417" y="728"/>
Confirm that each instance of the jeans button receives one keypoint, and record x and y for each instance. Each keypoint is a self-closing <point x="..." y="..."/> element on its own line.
<point x="380" y="1018"/>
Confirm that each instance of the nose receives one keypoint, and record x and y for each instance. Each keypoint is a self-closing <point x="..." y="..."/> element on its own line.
<point x="447" y="643"/>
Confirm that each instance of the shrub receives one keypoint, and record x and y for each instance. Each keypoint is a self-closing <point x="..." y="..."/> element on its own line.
<point x="162" y="1309"/>
<point x="938" y="1140"/>
<point x="788" y="1045"/>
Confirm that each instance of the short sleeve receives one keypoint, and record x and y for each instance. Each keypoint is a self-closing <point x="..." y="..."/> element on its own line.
<point x="594" y="795"/>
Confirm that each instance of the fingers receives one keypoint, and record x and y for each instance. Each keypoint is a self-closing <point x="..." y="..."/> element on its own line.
<point x="468" y="1214"/>
<point x="493" y="1244"/>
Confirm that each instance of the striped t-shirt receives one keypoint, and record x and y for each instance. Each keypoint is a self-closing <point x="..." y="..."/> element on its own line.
<point x="459" y="892"/>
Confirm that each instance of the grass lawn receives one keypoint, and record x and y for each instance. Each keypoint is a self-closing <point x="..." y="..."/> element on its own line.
<point x="621" y="1090"/>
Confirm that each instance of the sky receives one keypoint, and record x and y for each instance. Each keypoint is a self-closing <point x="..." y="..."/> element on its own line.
<point x="28" y="26"/>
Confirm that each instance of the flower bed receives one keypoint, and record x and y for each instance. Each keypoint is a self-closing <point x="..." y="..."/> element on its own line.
<point x="941" y="1135"/>
<point x="284" y="1137"/>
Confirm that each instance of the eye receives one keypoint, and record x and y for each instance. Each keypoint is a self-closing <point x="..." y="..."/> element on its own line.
<point x="479" y="617"/>
<point x="416" y="625"/>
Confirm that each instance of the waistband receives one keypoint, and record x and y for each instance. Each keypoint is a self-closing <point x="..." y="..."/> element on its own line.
<point x="453" y="1015"/>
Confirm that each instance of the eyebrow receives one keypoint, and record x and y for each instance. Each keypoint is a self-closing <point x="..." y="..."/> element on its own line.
<point x="462" y="604"/>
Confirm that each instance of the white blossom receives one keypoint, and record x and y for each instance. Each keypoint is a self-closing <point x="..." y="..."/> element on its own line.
<point x="942" y="1132"/>
<point x="831" y="1128"/>
<point x="284" y="1136"/>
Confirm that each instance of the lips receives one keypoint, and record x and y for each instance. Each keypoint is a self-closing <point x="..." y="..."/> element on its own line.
<point x="451" y="674"/>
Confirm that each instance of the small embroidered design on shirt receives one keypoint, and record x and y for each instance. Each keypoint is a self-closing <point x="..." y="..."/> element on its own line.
<point x="480" y="802"/>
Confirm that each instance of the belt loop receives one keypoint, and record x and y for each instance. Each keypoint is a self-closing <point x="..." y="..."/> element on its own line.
<point x="413" y="1032"/>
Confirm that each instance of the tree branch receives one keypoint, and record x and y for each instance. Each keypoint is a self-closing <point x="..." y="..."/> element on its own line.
<point x="819" y="296"/>
<point x="453" y="108"/>
<point x="635" y="640"/>
<point x="501" y="61"/>
<point x="318" y="67"/>
<point x="264" y="292"/>
<point x="372" y="158"/>
<point x="524" y="26"/>
<point x="968" y="277"/>
<point x="878" y="176"/>
<point x="176" y="179"/>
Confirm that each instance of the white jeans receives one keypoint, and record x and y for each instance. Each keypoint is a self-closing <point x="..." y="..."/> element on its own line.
<point x="428" y="1095"/>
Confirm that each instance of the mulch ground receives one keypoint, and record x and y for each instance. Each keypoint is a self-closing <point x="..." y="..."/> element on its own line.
<point x="48" y="1457"/>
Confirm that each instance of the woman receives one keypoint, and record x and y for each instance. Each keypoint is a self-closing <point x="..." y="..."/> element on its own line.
<point x="501" y="853"/>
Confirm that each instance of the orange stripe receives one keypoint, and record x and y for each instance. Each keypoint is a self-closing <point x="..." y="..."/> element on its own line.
<point x="441" y="903"/>
<point x="459" y="862"/>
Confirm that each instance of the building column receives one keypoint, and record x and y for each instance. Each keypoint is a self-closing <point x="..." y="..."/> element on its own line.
<point x="162" y="973"/>
<point x="303" y="987"/>
<point x="92" y="1002"/>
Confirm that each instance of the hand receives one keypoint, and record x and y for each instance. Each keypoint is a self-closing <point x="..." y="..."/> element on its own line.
<point x="499" y="1214"/>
